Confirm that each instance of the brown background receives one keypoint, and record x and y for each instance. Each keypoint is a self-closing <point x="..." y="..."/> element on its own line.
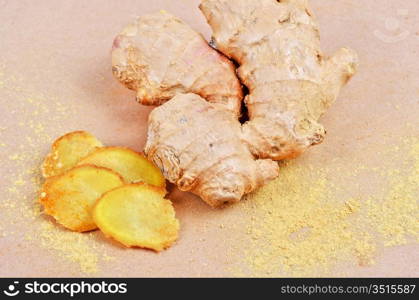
<point x="59" y="52"/>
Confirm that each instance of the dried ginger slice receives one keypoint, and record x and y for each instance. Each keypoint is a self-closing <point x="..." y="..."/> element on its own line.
<point x="67" y="150"/>
<point x="70" y="197"/>
<point x="137" y="215"/>
<point x="132" y="166"/>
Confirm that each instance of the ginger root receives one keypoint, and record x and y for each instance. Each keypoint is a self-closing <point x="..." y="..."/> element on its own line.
<point x="200" y="145"/>
<point x="290" y="82"/>
<point x="160" y="56"/>
<point x="197" y="146"/>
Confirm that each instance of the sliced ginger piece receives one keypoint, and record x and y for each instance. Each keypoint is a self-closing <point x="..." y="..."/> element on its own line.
<point x="70" y="197"/>
<point x="132" y="166"/>
<point x="137" y="215"/>
<point x="67" y="150"/>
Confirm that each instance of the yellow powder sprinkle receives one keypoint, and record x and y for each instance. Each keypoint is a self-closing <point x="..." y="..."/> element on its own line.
<point x="396" y="216"/>
<point x="2" y="232"/>
<point x="19" y="182"/>
<point x="295" y="228"/>
<point x="107" y="257"/>
<point x="15" y="157"/>
<point x="43" y="118"/>
<point x="305" y="222"/>
<point x="71" y="246"/>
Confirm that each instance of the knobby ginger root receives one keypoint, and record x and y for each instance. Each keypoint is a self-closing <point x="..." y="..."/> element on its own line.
<point x="159" y="56"/>
<point x="197" y="146"/>
<point x="201" y="146"/>
<point x="290" y="82"/>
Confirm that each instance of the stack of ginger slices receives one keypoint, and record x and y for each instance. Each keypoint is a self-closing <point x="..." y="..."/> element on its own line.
<point x="89" y="186"/>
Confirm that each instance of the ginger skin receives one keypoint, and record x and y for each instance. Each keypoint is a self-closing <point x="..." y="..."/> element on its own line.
<point x="198" y="147"/>
<point x="160" y="56"/>
<point x="291" y="84"/>
<point x="193" y="137"/>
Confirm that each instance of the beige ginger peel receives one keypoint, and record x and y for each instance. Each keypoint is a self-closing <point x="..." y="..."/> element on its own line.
<point x="290" y="82"/>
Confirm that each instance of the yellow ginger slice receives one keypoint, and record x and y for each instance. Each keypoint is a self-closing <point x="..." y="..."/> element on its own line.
<point x="132" y="166"/>
<point x="70" y="197"/>
<point x="137" y="215"/>
<point x="67" y="150"/>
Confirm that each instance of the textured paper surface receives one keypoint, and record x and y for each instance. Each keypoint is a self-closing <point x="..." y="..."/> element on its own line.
<point x="60" y="51"/>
